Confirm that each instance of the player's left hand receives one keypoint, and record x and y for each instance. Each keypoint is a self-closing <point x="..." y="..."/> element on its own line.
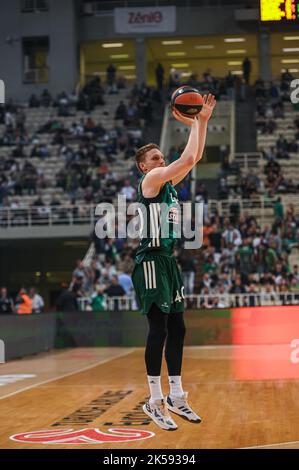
<point x="184" y="119"/>
<point x="209" y="103"/>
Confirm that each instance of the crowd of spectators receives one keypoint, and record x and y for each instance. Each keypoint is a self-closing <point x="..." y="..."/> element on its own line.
<point x="24" y="303"/>
<point x="238" y="257"/>
<point x="241" y="258"/>
<point x="270" y="105"/>
<point x="224" y="88"/>
<point x="87" y="151"/>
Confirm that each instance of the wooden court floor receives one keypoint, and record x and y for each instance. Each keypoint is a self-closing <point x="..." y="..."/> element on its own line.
<point x="92" y="398"/>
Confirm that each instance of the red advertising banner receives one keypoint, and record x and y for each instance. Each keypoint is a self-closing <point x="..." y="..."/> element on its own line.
<point x="265" y="342"/>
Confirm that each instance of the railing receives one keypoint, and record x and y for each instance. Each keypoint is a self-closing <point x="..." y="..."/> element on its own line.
<point x="247" y="161"/>
<point x="85" y="214"/>
<point x="204" y="301"/>
<point x="31" y="6"/>
<point x="36" y="76"/>
<point x="47" y="215"/>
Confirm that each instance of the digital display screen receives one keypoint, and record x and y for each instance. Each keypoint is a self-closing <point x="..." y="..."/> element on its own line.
<point x="279" y="10"/>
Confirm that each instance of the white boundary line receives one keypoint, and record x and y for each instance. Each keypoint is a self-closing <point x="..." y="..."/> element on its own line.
<point x="271" y="445"/>
<point x="103" y="361"/>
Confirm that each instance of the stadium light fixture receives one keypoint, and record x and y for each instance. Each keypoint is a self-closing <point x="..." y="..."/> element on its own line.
<point x="236" y="51"/>
<point x="180" y="66"/>
<point x="234" y="62"/>
<point x="234" y="39"/>
<point x="290" y="61"/>
<point x="290" y="70"/>
<point x="175" y="54"/>
<point x="171" y="43"/>
<point x="127" y="67"/>
<point x="204" y="46"/>
<point x="119" y="56"/>
<point x="107" y="45"/>
<point x="290" y="49"/>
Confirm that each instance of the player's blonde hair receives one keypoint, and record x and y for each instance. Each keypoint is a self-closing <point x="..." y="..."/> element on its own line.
<point x="139" y="157"/>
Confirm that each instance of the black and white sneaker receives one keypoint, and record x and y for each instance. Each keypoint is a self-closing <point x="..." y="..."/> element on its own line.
<point x="159" y="414"/>
<point x="180" y="406"/>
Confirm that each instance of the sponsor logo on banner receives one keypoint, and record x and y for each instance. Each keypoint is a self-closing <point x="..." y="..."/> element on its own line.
<point x="145" y="19"/>
<point x="82" y="436"/>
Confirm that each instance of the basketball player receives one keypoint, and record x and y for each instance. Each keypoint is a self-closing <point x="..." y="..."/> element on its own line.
<point x="156" y="277"/>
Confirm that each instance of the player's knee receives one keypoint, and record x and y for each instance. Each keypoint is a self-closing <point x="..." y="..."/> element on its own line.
<point x="177" y="330"/>
<point x="157" y="335"/>
<point x="181" y="330"/>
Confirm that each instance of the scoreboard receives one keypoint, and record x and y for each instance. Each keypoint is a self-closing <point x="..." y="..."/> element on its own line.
<point x="284" y="11"/>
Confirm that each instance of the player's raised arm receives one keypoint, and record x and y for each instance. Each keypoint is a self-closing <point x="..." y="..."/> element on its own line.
<point x="155" y="178"/>
<point x="203" y="117"/>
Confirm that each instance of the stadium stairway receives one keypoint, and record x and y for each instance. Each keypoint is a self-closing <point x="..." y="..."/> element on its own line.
<point x="152" y="131"/>
<point x="245" y="127"/>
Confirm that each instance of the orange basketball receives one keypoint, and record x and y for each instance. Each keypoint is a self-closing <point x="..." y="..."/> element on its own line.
<point x="187" y="100"/>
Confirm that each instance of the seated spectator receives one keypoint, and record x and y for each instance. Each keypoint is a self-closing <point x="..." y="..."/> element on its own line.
<point x="46" y="98"/>
<point x="125" y="281"/>
<point x="121" y="111"/>
<point x="128" y="191"/>
<point x="33" y="101"/>
<point x="115" y="289"/>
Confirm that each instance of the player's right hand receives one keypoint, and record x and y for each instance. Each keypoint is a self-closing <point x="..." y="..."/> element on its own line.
<point x="184" y="119"/>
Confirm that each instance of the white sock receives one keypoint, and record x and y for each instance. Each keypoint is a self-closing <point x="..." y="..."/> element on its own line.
<point x="154" y="382"/>
<point x="175" y="384"/>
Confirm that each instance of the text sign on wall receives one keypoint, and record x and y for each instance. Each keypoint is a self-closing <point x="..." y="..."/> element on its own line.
<point x="145" y="20"/>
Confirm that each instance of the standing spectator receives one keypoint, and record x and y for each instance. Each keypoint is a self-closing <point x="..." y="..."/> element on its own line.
<point x="245" y="254"/>
<point x="246" y="66"/>
<point x="23" y="303"/>
<point x="80" y="270"/>
<point x="6" y="303"/>
<point x="278" y="209"/>
<point x="187" y="263"/>
<point x="67" y="301"/>
<point x="230" y="85"/>
<point x="111" y="74"/>
<point x="159" y="76"/>
<point x="37" y="301"/>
